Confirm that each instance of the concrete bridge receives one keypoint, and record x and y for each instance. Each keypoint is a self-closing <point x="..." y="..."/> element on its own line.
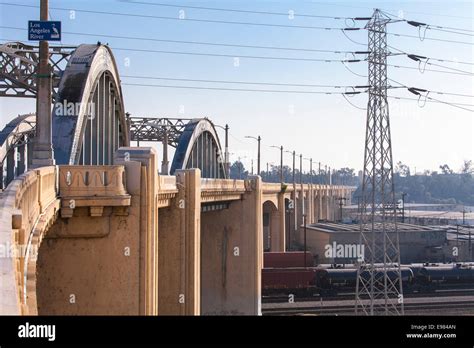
<point x="105" y="232"/>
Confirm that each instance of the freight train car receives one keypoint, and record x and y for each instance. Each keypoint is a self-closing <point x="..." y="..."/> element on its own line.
<point x="287" y="259"/>
<point x="296" y="281"/>
<point x="438" y="276"/>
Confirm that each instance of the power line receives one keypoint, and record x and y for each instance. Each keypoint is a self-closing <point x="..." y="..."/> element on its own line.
<point x="430" y="26"/>
<point x="416" y="56"/>
<point x="215" y="21"/>
<point x="457" y="105"/>
<point x="197" y="42"/>
<point x="464" y="73"/>
<point x="231" y="22"/>
<point x="241" y="89"/>
<point x="436" y="92"/>
<point x="432" y="39"/>
<point x="235" y="10"/>
<point x="369" y="8"/>
<point x="240" y="82"/>
<point x="243" y="56"/>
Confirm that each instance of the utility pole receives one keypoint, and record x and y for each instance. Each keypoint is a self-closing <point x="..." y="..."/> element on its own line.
<point x="378" y="288"/>
<point x="294" y="196"/>
<point x="281" y="164"/>
<point x="301" y="169"/>
<point x="258" y="152"/>
<point x="43" y="147"/>
<point x="226" y="155"/>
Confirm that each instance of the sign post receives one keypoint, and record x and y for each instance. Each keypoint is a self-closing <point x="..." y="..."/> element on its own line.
<point x="43" y="30"/>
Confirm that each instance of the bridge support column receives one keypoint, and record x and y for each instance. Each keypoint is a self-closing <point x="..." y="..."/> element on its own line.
<point x="180" y="248"/>
<point x="299" y="217"/>
<point x="280" y="243"/>
<point x="148" y="231"/>
<point x="232" y="255"/>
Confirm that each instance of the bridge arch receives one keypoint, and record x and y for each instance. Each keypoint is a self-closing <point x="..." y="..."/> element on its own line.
<point x="15" y="147"/>
<point x="199" y="147"/>
<point x="89" y="122"/>
<point x="273" y="225"/>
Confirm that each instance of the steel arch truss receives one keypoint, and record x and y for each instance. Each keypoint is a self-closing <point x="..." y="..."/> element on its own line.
<point x="15" y="147"/>
<point x="18" y="68"/>
<point x="89" y="122"/>
<point x="199" y="147"/>
<point x="157" y="129"/>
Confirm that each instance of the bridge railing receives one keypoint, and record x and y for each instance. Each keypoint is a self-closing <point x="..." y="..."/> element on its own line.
<point x="22" y="204"/>
<point x="93" y="186"/>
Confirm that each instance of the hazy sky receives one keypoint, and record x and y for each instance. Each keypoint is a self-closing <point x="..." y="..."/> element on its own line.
<point x="324" y="127"/>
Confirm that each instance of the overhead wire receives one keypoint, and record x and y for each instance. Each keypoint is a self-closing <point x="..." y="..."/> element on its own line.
<point x="239" y="82"/>
<point x="238" y="89"/>
<point x="195" y="42"/>
<point x="233" y="10"/>
<point x="215" y="21"/>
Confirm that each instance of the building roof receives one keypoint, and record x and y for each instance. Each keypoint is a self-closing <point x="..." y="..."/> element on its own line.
<point x="334" y="227"/>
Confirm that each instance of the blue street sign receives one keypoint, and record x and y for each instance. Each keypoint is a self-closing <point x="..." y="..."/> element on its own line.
<point x="44" y="30"/>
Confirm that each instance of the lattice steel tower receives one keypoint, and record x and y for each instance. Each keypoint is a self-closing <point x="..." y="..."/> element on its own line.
<point x="379" y="281"/>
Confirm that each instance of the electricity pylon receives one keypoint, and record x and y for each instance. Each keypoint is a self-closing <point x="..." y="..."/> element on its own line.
<point x="379" y="282"/>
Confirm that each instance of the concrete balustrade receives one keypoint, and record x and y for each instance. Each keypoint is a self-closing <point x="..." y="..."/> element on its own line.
<point x="28" y="206"/>
<point x="92" y="186"/>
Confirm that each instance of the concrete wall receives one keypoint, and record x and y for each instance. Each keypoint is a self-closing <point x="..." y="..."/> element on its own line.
<point x="180" y="248"/>
<point x="84" y="268"/>
<point x="232" y="256"/>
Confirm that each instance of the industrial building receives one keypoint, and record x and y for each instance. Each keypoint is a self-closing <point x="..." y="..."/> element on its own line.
<point x="338" y="242"/>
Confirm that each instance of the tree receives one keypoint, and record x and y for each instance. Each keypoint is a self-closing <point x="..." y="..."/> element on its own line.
<point x="467" y="167"/>
<point x="237" y="171"/>
<point x="445" y="169"/>
<point x="402" y="169"/>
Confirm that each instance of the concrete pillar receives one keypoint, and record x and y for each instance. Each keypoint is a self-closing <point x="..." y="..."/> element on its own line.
<point x="281" y="223"/>
<point x="299" y="218"/>
<point x="148" y="224"/>
<point x="232" y="255"/>
<point x="180" y="248"/>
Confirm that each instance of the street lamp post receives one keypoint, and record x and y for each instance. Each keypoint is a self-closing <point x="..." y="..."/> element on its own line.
<point x="226" y="150"/>
<point x="258" y="153"/>
<point x="310" y="169"/>
<point x="281" y="161"/>
<point x="294" y="199"/>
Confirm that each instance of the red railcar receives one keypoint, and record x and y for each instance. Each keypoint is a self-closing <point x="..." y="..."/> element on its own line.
<point x="289" y="280"/>
<point x="287" y="259"/>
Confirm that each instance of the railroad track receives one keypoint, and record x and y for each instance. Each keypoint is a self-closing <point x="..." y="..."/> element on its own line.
<point x="350" y="296"/>
<point x="348" y="309"/>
